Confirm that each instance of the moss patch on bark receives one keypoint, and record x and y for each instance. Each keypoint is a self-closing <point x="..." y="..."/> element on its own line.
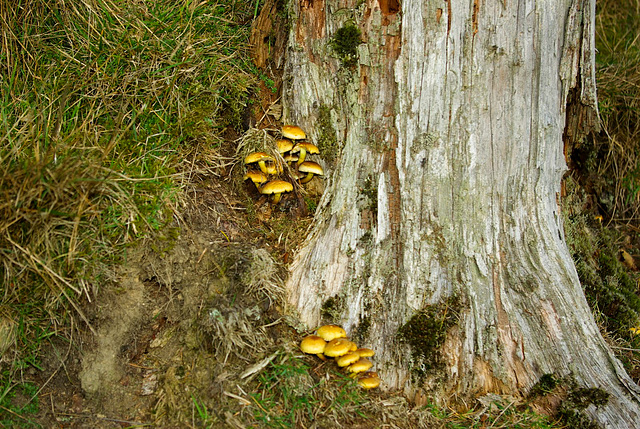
<point x="426" y="331"/>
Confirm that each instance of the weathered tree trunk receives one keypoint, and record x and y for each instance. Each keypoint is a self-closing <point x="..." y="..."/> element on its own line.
<point x="438" y="241"/>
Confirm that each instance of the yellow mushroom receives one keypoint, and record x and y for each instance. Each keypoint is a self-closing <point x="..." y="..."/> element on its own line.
<point x="331" y="332"/>
<point x="369" y="381"/>
<point x="337" y="347"/>
<point x="276" y="187"/>
<point x="261" y="158"/>
<point x="313" y="345"/>
<point x="257" y="177"/>
<point x="293" y="132"/>
<point x="364" y="352"/>
<point x="348" y="359"/>
<point x="273" y="168"/>
<point x="311" y="168"/>
<point x="361" y="365"/>
<point x="290" y="159"/>
<point x="284" y="145"/>
<point x="304" y="148"/>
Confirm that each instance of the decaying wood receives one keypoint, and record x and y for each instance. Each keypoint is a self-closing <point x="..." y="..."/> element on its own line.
<point x="449" y="159"/>
<point x="578" y="75"/>
<point x="267" y="38"/>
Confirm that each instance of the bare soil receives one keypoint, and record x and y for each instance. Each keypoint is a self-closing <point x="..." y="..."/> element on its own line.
<point x="158" y="346"/>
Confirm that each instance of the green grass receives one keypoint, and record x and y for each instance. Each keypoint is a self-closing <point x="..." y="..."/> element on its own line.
<point x="18" y="404"/>
<point x="205" y="419"/>
<point x="498" y="415"/>
<point x="288" y="396"/>
<point x="104" y="107"/>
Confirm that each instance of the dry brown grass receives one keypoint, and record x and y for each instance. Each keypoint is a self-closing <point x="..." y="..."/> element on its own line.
<point x="108" y="111"/>
<point x="616" y="155"/>
<point x="52" y="224"/>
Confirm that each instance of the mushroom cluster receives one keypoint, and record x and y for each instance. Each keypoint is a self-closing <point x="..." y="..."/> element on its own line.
<point x="330" y="341"/>
<point x="293" y="149"/>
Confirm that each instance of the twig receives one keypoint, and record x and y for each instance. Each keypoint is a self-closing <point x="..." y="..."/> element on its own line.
<point x="259" y="366"/>
<point x="13" y="412"/>
<point x="624" y="348"/>
<point x="239" y="398"/>
<point x="500" y="415"/>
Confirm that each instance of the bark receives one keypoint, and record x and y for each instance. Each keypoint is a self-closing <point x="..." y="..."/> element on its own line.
<point x="439" y="241"/>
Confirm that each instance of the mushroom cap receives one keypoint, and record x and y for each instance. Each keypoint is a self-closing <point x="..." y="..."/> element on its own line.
<point x="348" y="359"/>
<point x="369" y="382"/>
<point x="255" y="176"/>
<point x="276" y="187"/>
<point x="273" y="168"/>
<point x="257" y="157"/>
<point x="297" y="175"/>
<point x="284" y="145"/>
<point x="311" y="167"/>
<point x="331" y="332"/>
<point x="337" y="347"/>
<point x="364" y="352"/>
<point x="293" y="132"/>
<point x="291" y="158"/>
<point x="312" y="344"/>
<point x="309" y="147"/>
<point x="361" y="365"/>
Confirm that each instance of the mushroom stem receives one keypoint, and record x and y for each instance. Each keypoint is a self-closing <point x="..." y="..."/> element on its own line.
<point x="307" y="178"/>
<point x="276" y="197"/>
<point x="303" y="154"/>
<point x="263" y="166"/>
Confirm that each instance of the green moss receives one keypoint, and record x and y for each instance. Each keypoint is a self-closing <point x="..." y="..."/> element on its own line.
<point x="366" y="239"/>
<point x="571" y="411"/>
<point x="576" y="419"/>
<point x="544" y="386"/>
<point x="345" y="44"/>
<point x="234" y="106"/>
<point x="608" y="288"/>
<point x="370" y="191"/>
<point x="426" y="331"/>
<point x="581" y="398"/>
<point x="576" y="399"/>
<point x="165" y="240"/>
<point x="312" y="204"/>
<point x="20" y="403"/>
<point x="332" y="308"/>
<point x="327" y="143"/>
<point x="362" y="329"/>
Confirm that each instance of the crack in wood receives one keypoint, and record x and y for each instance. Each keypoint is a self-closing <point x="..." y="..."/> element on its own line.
<point x="392" y="46"/>
<point x="448" y="18"/>
<point x="474" y="19"/>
